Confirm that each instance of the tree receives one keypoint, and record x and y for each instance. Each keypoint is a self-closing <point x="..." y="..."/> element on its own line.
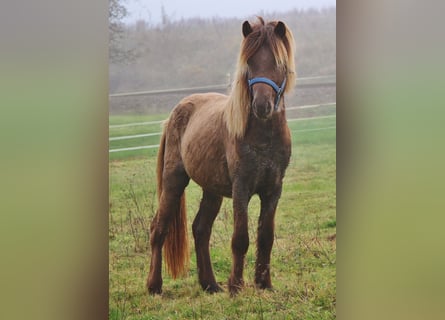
<point x="117" y="12"/>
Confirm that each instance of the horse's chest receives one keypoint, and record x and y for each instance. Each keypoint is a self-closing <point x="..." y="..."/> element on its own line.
<point x="264" y="166"/>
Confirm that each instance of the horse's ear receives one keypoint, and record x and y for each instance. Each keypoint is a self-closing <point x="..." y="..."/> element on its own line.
<point x="247" y="29"/>
<point x="280" y="29"/>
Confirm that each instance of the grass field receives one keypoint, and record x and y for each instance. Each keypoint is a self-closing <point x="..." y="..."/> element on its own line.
<point x="303" y="265"/>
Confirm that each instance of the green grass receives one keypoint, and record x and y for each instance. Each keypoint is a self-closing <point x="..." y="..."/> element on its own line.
<point x="303" y="257"/>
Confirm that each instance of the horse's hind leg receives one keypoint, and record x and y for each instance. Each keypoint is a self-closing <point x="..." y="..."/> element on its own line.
<point x="202" y="228"/>
<point x="174" y="183"/>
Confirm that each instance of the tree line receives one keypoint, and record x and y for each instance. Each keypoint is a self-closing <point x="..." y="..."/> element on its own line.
<point x="197" y="52"/>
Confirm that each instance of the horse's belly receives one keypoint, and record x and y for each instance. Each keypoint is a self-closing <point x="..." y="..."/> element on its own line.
<point x="206" y="164"/>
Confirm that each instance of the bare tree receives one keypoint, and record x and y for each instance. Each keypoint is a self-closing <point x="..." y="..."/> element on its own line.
<point x="116" y="13"/>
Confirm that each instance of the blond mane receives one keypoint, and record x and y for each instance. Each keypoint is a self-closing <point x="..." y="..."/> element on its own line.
<point x="237" y="111"/>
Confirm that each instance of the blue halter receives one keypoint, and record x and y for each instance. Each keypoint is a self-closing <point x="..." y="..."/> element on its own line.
<point x="278" y="89"/>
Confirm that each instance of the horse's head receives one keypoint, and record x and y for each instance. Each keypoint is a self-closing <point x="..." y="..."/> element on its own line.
<point x="266" y="73"/>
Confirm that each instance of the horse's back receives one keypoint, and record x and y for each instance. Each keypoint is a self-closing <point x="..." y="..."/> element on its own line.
<point x="202" y="136"/>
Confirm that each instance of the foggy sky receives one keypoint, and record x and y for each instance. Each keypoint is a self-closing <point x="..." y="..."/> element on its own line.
<point x="150" y="10"/>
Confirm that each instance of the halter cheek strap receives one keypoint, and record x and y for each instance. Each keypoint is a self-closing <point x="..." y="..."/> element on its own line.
<point x="278" y="89"/>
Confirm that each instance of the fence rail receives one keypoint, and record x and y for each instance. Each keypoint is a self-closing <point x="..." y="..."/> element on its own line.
<point x="319" y="81"/>
<point x="157" y="145"/>
<point x="159" y="133"/>
<point x="134" y="124"/>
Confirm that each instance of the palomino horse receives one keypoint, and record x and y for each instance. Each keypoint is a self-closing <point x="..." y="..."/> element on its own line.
<point x="232" y="146"/>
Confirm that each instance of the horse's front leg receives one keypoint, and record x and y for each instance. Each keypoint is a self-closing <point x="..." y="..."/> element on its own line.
<point x="202" y="228"/>
<point x="240" y="239"/>
<point x="265" y="238"/>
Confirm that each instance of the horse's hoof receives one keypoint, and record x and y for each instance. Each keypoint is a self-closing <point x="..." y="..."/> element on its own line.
<point x="234" y="290"/>
<point x="214" y="288"/>
<point x="154" y="291"/>
<point x="264" y="286"/>
<point x="235" y="287"/>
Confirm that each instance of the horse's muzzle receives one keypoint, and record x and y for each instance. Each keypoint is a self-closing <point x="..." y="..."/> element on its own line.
<point x="262" y="108"/>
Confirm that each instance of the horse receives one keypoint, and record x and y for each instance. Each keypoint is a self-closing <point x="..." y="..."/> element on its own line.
<point x="234" y="146"/>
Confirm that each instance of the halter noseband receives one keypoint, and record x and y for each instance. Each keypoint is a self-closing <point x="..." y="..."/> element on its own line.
<point x="278" y="89"/>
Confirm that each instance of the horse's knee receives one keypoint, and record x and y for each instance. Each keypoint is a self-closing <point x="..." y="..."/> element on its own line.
<point x="240" y="243"/>
<point x="265" y="240"/>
